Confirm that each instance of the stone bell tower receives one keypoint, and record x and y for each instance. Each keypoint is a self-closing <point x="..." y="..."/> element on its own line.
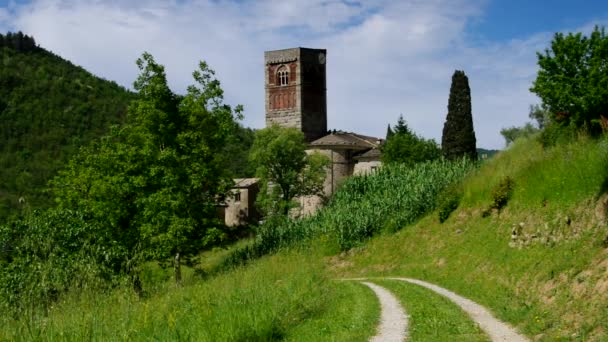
<point x="296" y="94"/>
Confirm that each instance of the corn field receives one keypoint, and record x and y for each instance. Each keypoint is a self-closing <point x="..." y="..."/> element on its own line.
<point x="390" y="199"/>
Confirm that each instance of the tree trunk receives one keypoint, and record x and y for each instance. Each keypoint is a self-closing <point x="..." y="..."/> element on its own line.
<point x="178" y="270"/>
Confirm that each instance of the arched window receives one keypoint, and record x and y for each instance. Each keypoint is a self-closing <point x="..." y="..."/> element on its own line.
<point x="282" y="75"/>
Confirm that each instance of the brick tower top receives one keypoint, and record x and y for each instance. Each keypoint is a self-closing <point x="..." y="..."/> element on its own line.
<point x="296" y="94"/>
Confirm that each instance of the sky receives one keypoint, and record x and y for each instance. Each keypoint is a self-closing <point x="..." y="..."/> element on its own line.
<point x="384" y="57"/>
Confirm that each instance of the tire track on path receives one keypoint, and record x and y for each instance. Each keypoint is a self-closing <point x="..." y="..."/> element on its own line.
<point x="393" y="320"/>
<point x="497" y="330"/>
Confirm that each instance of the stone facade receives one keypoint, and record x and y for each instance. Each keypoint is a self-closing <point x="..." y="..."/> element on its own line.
<point x="296" y="96"/>
<point x="239" y="208"/>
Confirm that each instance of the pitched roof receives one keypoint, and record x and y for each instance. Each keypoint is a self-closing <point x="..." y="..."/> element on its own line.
<point x="244" y="182"/>
<point x="349" y="140"/>
<point x="373" y="154"/>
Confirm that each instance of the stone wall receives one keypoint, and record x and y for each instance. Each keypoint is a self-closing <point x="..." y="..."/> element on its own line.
<point x="302" y="103"/>
<point x="366" y="167"/>
<point x="242" y="211"/>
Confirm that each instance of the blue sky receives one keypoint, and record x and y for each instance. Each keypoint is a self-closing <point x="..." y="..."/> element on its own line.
<point x="385" y="57"/>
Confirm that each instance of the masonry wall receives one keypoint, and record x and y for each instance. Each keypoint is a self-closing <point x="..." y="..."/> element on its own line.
<point x="366" y="167"/>
<point x="342" y="166"/>
<point x="241" y="212"/>
<point x="302" y="103"/>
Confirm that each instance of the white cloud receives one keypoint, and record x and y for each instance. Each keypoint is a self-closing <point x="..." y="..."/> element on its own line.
<point x="384" y="57"/>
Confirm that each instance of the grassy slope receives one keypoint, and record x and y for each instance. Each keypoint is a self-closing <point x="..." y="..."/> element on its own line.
<point x="551" y="279"/>
<point x="284" y="296"/>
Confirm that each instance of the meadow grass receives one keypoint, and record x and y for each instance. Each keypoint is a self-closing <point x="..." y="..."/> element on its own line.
<point x="353" y="316"/>
<point x="433" y="317"/>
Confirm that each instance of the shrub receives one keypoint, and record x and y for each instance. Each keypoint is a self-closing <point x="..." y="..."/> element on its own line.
<point x="49" y="252"/>
<point x="449" y="201"/>
<point x="502" y="193"/>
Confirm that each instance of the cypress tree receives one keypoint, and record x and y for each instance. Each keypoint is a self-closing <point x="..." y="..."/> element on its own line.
<point x="458" y="135"/>
<point x="389" y="132"/>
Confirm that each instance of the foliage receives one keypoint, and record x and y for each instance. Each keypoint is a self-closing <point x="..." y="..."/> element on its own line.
<point x="50" y="252"/>
<point x="458" y="137"/>
<point x="285" y="169"/>
<point x="404" y="146"/>
<point x="18" y="41"/>
<point x="572" y="81"/>
<point x="540" y="114"/>
<point x="48" y="109"/>
<point x="512" y="133"/>
<point x="153" y="183"/>
<point x="449" y="200"/>
<point x="237" y="149"/>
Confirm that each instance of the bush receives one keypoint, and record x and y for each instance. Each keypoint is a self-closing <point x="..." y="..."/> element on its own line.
<point x="449" y="201"/>
<point x="49" y="252"/>
<point x="502" y="193"/>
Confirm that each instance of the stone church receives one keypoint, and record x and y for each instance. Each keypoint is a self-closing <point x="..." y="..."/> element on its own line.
<point x="296" y="96"/>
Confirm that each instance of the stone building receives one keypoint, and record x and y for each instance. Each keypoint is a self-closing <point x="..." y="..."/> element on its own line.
<point x="296" y="96"/>
<point x="239" y="208"/>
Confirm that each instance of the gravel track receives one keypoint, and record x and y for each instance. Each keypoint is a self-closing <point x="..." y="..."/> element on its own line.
<point x="393" y="320"/>
<point x="497" y="330"/>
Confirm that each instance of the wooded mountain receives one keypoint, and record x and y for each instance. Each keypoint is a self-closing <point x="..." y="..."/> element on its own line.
<point x="49" y="107"/>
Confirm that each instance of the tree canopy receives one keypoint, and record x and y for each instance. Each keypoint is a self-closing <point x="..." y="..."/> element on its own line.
<point x="154" y="181"/>
<point x="285" y="169"/>
<point x="458" y="137"/>
<point x="48" y="109"/>
<point x="572" y="80"/>
<point x="406" y="147"/>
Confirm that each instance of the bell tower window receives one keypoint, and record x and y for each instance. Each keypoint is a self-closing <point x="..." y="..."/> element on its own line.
<point x="283" y="76"/>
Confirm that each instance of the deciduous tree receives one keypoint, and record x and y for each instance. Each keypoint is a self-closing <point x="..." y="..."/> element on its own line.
<point x="406" y="147"/>
<point x="154" y="181"/>
<point x="572" y="80"/>
<point x="285" y="169"/>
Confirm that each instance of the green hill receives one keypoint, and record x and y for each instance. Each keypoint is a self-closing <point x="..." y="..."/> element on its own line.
<point x="49" y="107"/>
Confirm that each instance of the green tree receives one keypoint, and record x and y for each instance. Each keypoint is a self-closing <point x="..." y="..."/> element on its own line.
<point x="238" y="147"/>
<point x="285" y="169"/>
<point x="572" y="80"/>
<point x="540" y="114"/>
<point x="458" y="137"/>
<point x="513" y="133"/>
<point x="389" y="132"/>
<point x="154" y="181"/>
<point x="406" y="147"/>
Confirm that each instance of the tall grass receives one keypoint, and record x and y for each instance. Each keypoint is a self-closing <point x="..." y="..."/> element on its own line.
<point x="262" y="302"/>
<point x="365" y="205"/>
<point x="561" y="175"/>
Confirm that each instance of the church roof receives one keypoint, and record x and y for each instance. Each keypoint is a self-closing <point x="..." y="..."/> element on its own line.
<point x="373" y="154"/>
<point x="340" y="139"/>
<point x="244" y="182"/>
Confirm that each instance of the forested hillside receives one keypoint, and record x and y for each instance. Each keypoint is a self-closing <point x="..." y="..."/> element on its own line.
<point x="48" y="108"/>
